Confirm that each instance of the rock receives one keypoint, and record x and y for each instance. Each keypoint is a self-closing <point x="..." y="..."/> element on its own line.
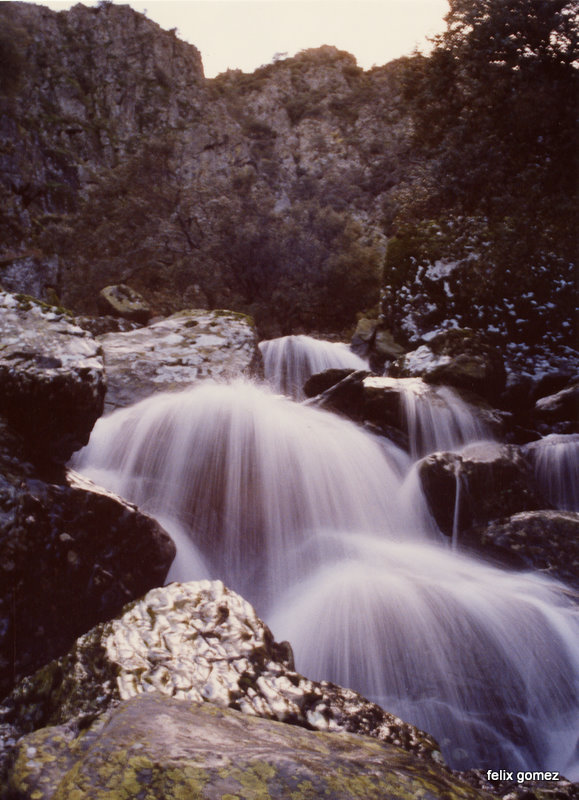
<point x="175" y="352"/>
<point x="104" y="324"/>
<point x="458" y="358"/>
<point x="198" y="642"/>
<point x="71" y="555"/>
<point x="122" y="301"/>
<point x="52" y="381"/>
<point x="372" y="340"/>
<point x="490" y="480"/>
<point x="560" y="410"/>
<point x="158" y="746"/>
<point x="543" y="540"/>
<point x="413" y="414"/>
<point x="322" y="381"/>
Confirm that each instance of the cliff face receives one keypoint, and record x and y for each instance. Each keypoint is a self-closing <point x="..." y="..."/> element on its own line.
<point x="120" y="161"/>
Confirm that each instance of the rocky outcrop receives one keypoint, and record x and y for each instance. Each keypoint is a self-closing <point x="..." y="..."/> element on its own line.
<point x="482" y="482"/>
<point x="71" y="555"/>
<point x="177" y="748"/>
<point x="545" y="540"/>
<point x="457" y="358"/>
<point x="52" y="381"/>
<point x="176" y="352"/>
<point x="200" y="642"/>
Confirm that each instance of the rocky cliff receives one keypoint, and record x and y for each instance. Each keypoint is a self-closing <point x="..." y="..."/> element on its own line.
<point x="119" y="160"/>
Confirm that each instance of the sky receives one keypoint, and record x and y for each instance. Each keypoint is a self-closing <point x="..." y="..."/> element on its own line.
<point x="244" y="34"/>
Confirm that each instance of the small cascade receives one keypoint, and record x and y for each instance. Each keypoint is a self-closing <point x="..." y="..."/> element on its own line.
<point x="437" y="418"/>
<point x="556" y="462"/>
<point x="485" y="660"/>
<point x="251" y="475"/>
<point x="290" y="360"/>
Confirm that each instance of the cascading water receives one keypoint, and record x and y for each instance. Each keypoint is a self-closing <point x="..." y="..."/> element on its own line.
<point x="485" y="660"/>
<point x="310" y="517"/>
<point x="252" y="476"/>
<point x="436" y="418"/>
<point x="556" y="462"/>
<point x="290" y="360"/>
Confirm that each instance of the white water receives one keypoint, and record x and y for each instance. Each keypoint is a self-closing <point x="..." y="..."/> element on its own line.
<point x="290" y="360"/>
<point x="311" y="518"/>
<point x="252" y="476"/>
<point x="556" y="462"/>
<point x="435" y="417"/>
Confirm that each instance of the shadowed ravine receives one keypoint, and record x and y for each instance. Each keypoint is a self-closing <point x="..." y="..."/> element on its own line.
<point x="321" y="526"/>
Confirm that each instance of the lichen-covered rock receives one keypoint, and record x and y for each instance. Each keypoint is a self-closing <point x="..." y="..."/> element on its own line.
<point x="71" y="555"/>
<point x="544" y="540"/>
<point x="458" y="358"/>
<point x="158" y="747"/>
<point x="197" y="641"/>
<point x="482" y="482"/>
<point x="177" y="351"/>
<point x="122" y="301"/>
<point x="52" y="381"/>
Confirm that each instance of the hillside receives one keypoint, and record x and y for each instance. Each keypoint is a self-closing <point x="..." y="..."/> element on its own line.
<point x="276" y="193"/>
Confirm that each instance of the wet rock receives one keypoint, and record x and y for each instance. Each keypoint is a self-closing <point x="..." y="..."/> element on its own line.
<point x="198" y="642"/>
<point x="122" y="301"/>
<point x="175" y="352"/>
<point x="560" y="411"/>
<point x="482" y="482"/>
<point x="405" y="410"/>
<point x="179" y="748"/>
<point x="458" y="358"/>
<point x="322" y="381"/>
<point x="544" y="540"/>
<point x="71" y="555"/>
<point x="52" y="381"/>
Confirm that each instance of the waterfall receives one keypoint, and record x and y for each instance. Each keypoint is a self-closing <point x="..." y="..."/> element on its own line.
<point x="556" y="462"/>
<point x="485" y="660"/>
<point x="435" y="417"/>
<point x="290" y="360"/>
<point x="251" y="475"/>
<point x="323" y="527"/>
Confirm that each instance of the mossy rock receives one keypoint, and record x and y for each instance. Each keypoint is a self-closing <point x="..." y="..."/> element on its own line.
<point x="153" y="746"/>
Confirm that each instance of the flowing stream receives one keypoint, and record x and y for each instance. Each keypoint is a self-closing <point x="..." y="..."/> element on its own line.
<point x="323" y="527"/>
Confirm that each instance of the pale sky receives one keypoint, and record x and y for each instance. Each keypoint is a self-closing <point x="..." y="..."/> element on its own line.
<point x="244" y="34"/>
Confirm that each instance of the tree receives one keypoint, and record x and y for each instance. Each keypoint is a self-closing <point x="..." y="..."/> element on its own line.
<point x="496" y="100"/>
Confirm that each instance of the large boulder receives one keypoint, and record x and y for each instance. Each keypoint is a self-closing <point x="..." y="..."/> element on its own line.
<point x="71" y="555"/>
<point x="52" y="381"/>
<point x="482" y="482"/>
<point x="173" y="353"/>
<point x="155" y="746"/>
<point x="542" y="540"/>
<point x="458" y="358"/>
<point x="199" y="642"/>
